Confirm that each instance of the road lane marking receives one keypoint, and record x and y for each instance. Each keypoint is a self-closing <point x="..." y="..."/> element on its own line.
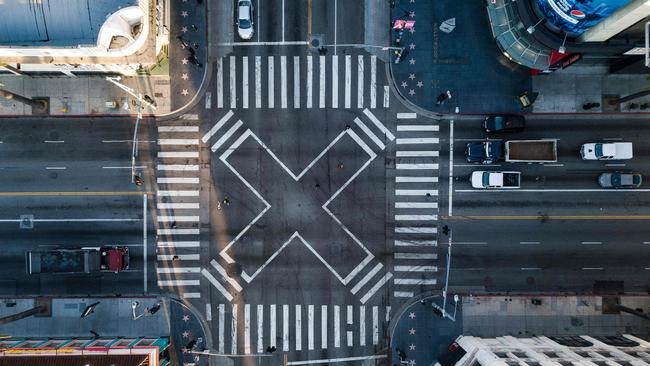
<point x="310" y="327"/>
<point x="416" y="230"/>
<point x="177" y="180"/>
<point x="272" y="328"/>
<point x="178" y="154"/>
<point x="271" y="79"/>
<point x="244" y="82"/>
<point x="406" y="294"/>
<point x="226" y="135"/>
<point x="178" y="141"/>
<point x="416" y="154"/>
<point x="591" y="242"/>
<point x="421" y="140"/>
<point x="366" y="278"/>
<point x="222" y="319"/>
<point x="177" y="167"/>
<point x="217" y="126"/>
<point x="550" y="217"/>
<point x="416" y="192"/>
<point x="337" y="326"/>
<point x="399" y="179"/>
<point x="415" y="255"/>
<point x="475" y="166"/>
<point x="310" y="80"/>
<point x="557" y="165"/>
<point x="416" y="204"/>
<point x="531" y="269"/>
<point x="233" y="83"/>
<point x="415" y="217"/>
<point x="529" y="242"/>
<point x="386" y="96"/>
<point x="335" y="81"/>
<point x="375" y="325"/>
<point x="233" y="330"/>
<point x="178" y="218"/>
<point x="416" y="243"/>
<point x="179" y="257"/>
<point x="417" y="166"/>
<point x="592" y="268"/>
<point x="362" y="325"/>
<point x="360" y="70"/>
<point x="178" y="193"/>
<point x="164" y="270"/>
<point x="258" y="81"/>
<point x="253" y="44"/>
<point x="178" y="232"/>
<point x="321" y="84"/>
<point x="191" y="295"/>
<point x="55" y="168"/>
<point x="378" y="124"/>
<point x="178" y="128"/>
<point x="283" y="82"/>
<point x="615" y="165"/>
<point x="208" y="312"/>
<point x="73" y="220"/>
<point x="178" y="283"/>
<point x="298" y="328"/>
<point x="296" y="81"/>
<point x="551" y="190"/>
<point x="220" y="82"/>
<point x="178" y="244"/>
<point x="247" y="329"/>
<point x="384" y="279"/>
<point x="285" y="328"/>
<point x="348" y="80"/>
<point x="370" y="134"/>
<point x="336" y="360"/>
<point x="224" y="274"/>
<point x="469" y="242"/>
<point x="350" y="321"/>
<point x="323" y="326"/>
<point x="418" y="128"/>
<point x="407" y="115"/>
<point x="54" y="141"/>
<point x="373" y="81"/>
<point x="125" y="167"/>
<point x="260" y="328"/>
<point x="416" y="269"/>
<point x="19" y="194"/>
<point x="414" y="281"/>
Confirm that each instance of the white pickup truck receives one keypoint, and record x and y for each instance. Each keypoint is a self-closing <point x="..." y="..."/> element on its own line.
<point x="606" y="151"/>
<point x="491" y="180"/>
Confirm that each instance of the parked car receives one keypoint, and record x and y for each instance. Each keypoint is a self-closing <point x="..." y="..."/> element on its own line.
<point x="491" y="180"/>
<point x="504" y="123"/>
<point x="485" y="152"/>
<point x="619" y="180"/>
<point x="607" y="151"/>
<point x="245" y="19"/>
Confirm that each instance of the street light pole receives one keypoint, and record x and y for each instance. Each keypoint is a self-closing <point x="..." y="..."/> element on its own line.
<point x="443" y="308"/>
<point x="361" y="45"/>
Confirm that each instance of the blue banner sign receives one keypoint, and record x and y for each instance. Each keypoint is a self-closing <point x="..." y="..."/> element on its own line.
<point x="576" y="16"/>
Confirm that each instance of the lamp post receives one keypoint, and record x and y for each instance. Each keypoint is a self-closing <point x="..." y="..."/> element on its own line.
<point x="531" y="29"/>
<point x="443" y="309"/>
<point x="562" y="49"/>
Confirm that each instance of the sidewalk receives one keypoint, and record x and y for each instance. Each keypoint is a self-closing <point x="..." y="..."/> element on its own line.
<point x="422" y="335"/>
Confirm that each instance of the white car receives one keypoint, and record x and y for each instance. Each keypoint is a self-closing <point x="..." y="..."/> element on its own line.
<point x="245" y="19"/>
<point x="607" y="151"/>
<point x="492" y="180"/>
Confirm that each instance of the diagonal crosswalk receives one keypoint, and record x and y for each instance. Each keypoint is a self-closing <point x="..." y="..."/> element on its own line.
<point x="300" y="82"/>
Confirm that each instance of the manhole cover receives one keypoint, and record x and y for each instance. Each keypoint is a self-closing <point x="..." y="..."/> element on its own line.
<point x="26" y="221"/>
<point x="316" y="41"/>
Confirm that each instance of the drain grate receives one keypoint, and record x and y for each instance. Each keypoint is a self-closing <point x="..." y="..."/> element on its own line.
<point x="26" y="221"/>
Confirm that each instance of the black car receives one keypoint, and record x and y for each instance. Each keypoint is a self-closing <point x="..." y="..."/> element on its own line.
<point x="504" y="123"/>
<point x="485" y="152"/>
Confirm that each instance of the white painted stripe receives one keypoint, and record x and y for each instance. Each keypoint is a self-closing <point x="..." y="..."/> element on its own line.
<point x="404" y="154"/>
<point x="375" y="325"/>
<point x="296" y="81"/>
<point x="360" y="71"/>
<point x="272" y="328"/>
<point x="310" y="80"/>
<point x="372" y="136"/>
<point x="415" y="243"/>
<point x="592" y="268"/>
<point x="208" y="100"/>
<point x="416" y="204"/>
<point x="179" y="257"/>
<point x="321" y="101"/>
<point x="178" y="128"/>
<point x="416" y="230"/>
<point x="191" y="295"/>
<point x="225" y="276"/>
<point x="178" y="154"/>
<point x="337" y="326"/>
<point x="217" y="126"/>
<point x="258" y="81"/>
<point x="208" y="312"/>
<point x="233" y="330"/>
<point x="247" y="329"/>
<point x="298" y="335"/>
<point x="378" y="124"/>
<point x="54" y="141"/>
<point x="422" y="140"/>
<point x="350" y="322"/>
<point x="178" y="270"/>
<point x="402" y="294"/>
<point x="323" y="326"/>
<point x="591" y="242"/>
<point x="415" y="217"/>
<point x="336" y="360"/>
<point x="470" y="242"/>
<point x="283" y="81"/>
<point x="271" y="79"/>
<point x="222" y="319"/>
<point x="531" y="269"/>
<point x="415" y="255"/>
<point x="179" y="244"/>
<point x="216" y="284"/>
<point x="177" y="167"/>
<point x="189" y="117"/>
<point x="335" y="81"/>
<point x="226" y="136"/>
<point x="416" y="179"/>
<point x="310" y="327"/>
<point x="233" y="85"/>
<point x="388" y="313"/>
<point x="366" y="278"/>
<point x="179" y="283"/>
<point x="244" y="82"/>
<point x="416" y="192"/>
<point x="422" y="128"/>
<point x="177" y="180"/>
<point x="178" y="141"/>
<point x="608" y="190"/>
<point x="376" y="287"/>
<point x="414" y="281"/>
<point x="260" y="328"/>
<point x="56" y="168"/>
<point x="416" y="269"/>
<point x="529" y="242"/>
<point x="285" y="328"/>
<point x="386" y="96"/>
<point x="407" y="115"/>
<point x="220" y="82"/>
<point x="177" y="232"/>
<point x="178" y="218"/>
<point x="373" y="81"/>
<point x="348" y="81"/>
<point x="418" y="166"/>
<point x="362" y="325"/>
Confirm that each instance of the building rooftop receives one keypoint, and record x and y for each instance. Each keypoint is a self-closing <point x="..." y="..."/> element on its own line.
<point x="55" y="23"/>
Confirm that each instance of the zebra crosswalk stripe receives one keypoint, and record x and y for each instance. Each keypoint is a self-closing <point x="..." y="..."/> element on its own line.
<point x="245" y="82"/>
<point x="233" y="85"/>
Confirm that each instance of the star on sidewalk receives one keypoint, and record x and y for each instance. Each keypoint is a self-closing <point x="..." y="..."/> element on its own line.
<point x="184" y="76"/>
<point x="412" y="61"/>
<point x="186" y="334"/>
<point x="411" y="331"/>
<point x="186" y="318"/>
<point x="420" y="84"/>
<point x="412" y="347"/>
<point x="412" y="362"/>
<point x="184" y="92"/>
<point x="184" y="61"/>
<point x="412" y="1"/>
<point x="412" y="30"/>
<point x="411" y="76"/>
<point x="184" y="14"/>
<point x="411" y="92"/>
<point x="412" y="46"/>
<point x="412" y="315"/>
<point x="184" y="29"/>
<point x="412" y="14"/>
<point x="184" y="1"/>
<point x="404" y="84"/>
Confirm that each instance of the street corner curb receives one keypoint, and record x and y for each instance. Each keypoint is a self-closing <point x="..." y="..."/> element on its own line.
<point x="197" y="314"/>
<point x="402" y="309"/>
<point x="405" y="102"/>
<point x="207" y="76"/>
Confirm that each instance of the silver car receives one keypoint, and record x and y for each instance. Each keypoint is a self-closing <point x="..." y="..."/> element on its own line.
<point x="245" y="19"/>
<point x="619" y="180"/>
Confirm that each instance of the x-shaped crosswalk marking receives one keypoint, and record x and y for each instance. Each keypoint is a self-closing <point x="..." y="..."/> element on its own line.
<point x="296" y="207"/>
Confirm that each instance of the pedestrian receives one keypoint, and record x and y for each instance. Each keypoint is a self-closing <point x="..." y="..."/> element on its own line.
<point x="226" y="201"/>
<point x="401" y="354"/>
<point x="271" y="349"/>
<point x="190" y="345"/>
<point x="184" y="42"/>
<point x="195" y="28"/>
<point x="95" y="334"/>
<point x="441" y="98"/>
<point x="175" y="258"/>
<point x="196" y="46"/>
<point x="173" y="224"/>
<point x="154" y="309"/>
<point x="347" y="127"/>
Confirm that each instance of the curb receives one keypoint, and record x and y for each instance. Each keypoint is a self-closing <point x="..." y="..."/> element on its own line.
<point x="195" y="312"/>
